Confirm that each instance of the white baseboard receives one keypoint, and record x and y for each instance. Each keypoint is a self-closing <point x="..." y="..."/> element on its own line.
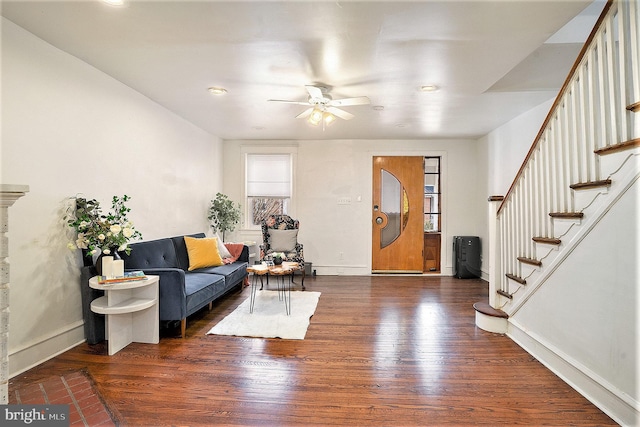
<point x="365" y="270"/>
<point x="44" y="348"/>
<point x="620" y="407"/>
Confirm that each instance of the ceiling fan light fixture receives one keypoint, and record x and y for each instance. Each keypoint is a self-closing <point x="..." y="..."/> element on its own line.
<point x="315" y="117"/>
<point x="328" y="118"/>
<point x="216" y="90"/>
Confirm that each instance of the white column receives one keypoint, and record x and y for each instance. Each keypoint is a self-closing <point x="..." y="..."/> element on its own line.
<point x="494" y="249"/>
<point x="10" y="193"/>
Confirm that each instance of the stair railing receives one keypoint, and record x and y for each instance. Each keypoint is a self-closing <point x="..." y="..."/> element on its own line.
<point x="592" y="111"/>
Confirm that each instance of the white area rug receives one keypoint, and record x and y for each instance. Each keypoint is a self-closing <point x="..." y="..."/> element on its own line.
<point x="269" y="318"/>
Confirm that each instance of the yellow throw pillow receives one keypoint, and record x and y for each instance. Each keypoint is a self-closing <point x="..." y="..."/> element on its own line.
<point x="202" y="252"/>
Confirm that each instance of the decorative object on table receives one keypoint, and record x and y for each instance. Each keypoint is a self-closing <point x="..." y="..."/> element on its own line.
<point x="269" y="318"/>
<point x="278" y="258"/>
<point x="102" y="234"/>
<point x="224" y="214"/>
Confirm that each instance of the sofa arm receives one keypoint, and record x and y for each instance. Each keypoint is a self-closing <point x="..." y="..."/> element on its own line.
<point x="244" y="256"/>
<point x="173" y="294"/>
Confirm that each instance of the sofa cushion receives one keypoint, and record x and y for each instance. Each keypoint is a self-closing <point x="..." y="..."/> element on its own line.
<point x="159" y="253"/>
<point x="202" y="252"/>
<point x="234" y="273"/>
<point x="201" y="289"/>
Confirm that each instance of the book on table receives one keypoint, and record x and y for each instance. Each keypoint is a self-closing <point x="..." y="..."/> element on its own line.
<point x="129" y="276"/>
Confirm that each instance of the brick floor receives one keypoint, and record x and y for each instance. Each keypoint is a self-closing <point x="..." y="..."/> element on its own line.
<point x="86" y="408"/>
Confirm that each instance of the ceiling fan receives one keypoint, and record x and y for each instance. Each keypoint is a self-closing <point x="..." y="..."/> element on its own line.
<point x="323" y="108"/>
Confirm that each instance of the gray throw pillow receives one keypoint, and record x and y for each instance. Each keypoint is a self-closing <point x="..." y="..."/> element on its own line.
<point x="283" y="240"/>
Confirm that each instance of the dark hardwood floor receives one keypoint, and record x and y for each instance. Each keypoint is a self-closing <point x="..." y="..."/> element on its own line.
<point x="382" y="350"/>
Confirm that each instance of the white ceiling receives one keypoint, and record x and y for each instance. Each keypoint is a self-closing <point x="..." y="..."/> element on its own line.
<point x="489" y="59"/>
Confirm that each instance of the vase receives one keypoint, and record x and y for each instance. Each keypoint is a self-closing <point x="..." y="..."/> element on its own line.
<point x="277" y="260"/>
<point x="114" y="253"/>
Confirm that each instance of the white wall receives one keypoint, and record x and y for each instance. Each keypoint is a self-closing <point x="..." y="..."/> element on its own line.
<point x="327" y="170"/>
<point x="68" y="128"/>
<point x="500" y="155"/>
<point x="508" y="145"/>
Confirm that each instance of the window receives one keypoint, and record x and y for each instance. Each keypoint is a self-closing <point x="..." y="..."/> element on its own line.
<point x="432" y="213"/>
<point x="268" y="181"/>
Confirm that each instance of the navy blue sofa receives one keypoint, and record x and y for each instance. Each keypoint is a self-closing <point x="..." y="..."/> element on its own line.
<point x="183" y="292"/>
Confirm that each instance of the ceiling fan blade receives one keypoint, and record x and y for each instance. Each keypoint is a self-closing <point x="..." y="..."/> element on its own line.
<point x="340" y="113"/>
<point x="359" y="100"/>
<point x="306" y="113"/>
<point x="288" y="102"/>
<point x="314" y="92"/>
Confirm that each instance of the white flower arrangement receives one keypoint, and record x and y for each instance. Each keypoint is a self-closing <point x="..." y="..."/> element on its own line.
<point x="97" y="231"/>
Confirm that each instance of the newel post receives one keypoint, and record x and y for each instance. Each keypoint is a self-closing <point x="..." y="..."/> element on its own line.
<point x="494" y="249"/>
<point x="10" y="193"/>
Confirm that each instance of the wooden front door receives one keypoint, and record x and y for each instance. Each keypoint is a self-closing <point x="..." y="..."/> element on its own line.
<point x="398" y="191"/>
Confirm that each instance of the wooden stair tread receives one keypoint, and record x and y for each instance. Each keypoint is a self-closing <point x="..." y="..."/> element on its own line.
<point x="516" y="278"/>
<point x="547" y="240"/>
<point x="485" y="308"/>
<point x="504" y="294"/>
<point x="618" y="147"/>
<point x="530" y="261"/>
<point x="591" y="184"/>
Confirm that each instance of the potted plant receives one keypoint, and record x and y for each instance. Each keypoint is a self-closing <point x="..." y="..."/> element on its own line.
<point x="224" y="214"/>
<point x="278" y="258"/>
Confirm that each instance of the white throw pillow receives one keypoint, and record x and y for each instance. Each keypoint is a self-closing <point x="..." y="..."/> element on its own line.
<point x="224" y="252"/>
<point x="283" y="240"/>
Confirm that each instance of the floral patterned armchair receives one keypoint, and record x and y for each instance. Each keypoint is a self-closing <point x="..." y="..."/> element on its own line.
<point x="280" y="234"/>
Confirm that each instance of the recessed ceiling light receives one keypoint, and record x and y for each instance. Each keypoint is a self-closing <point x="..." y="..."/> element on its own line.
<point x="429" y="88"/>
<point x="217" y="90"/>
<point x="114" y="2"/>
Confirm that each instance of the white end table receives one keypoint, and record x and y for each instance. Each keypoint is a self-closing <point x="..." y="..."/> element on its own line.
<point x="131" y="309"/>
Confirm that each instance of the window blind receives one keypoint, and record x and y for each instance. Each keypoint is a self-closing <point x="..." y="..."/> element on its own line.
<point x="268" y="175"/>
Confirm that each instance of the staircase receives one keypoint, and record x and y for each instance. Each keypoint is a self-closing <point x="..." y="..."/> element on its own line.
<point x="584" y="162"/>
<point x="590" y="202"/>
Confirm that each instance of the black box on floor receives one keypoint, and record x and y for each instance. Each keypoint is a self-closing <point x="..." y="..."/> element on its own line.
<point x="466" y="257"/>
